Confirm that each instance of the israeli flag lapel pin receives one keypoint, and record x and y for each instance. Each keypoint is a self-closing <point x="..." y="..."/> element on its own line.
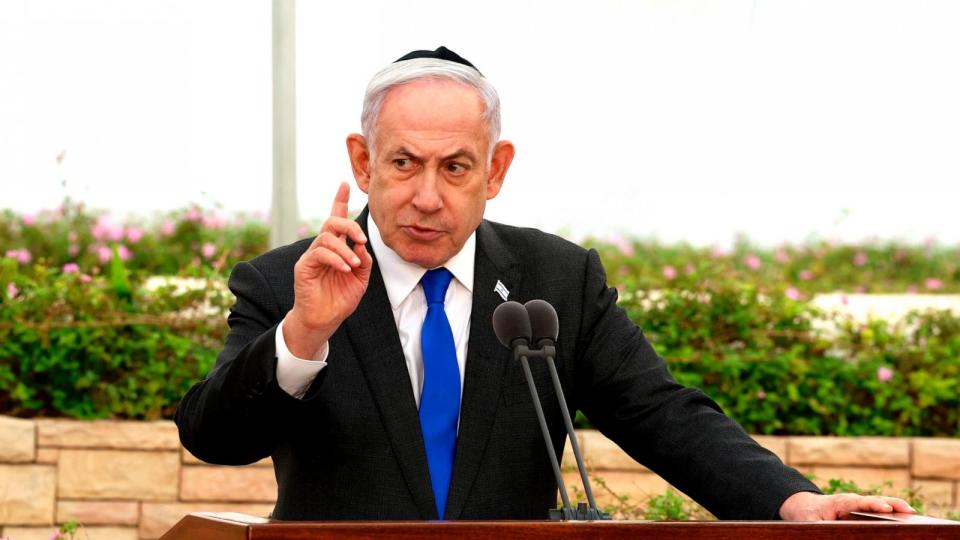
<point x="501" y="289"/>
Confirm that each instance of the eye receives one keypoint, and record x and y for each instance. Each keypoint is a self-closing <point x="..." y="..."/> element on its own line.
<point x="456" y="168"/>
<point x="404" y="164"/>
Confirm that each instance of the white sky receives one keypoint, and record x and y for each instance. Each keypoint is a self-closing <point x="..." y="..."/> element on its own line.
<point x="683" y="120"/>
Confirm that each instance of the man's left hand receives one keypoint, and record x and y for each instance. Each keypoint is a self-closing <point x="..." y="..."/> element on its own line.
<point x="806" y="506"/>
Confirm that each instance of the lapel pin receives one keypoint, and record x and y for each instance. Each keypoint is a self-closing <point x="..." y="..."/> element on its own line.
<point x="501" y="290"/>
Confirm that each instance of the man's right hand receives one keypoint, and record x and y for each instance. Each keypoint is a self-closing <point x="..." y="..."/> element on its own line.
<point x="328" y="281"/>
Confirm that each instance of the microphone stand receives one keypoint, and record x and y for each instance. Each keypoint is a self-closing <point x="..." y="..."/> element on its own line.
<point x="583" y="512"/>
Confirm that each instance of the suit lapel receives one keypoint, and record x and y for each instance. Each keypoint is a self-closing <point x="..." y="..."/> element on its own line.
<point x="374" y="336"/>
<point x="486" y="362"/>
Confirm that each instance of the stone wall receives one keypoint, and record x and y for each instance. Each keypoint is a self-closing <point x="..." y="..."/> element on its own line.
<point x="129" y="480"/>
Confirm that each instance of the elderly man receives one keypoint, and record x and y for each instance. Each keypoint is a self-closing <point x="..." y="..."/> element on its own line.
<point x="363" y="360"/>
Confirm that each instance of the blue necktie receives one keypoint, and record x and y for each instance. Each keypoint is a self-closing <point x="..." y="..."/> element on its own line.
<point x="440" y="397"/>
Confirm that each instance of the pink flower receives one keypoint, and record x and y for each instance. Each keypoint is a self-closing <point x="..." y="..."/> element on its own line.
<point x="29" y="219"/>
<point x="781" y="256"/>
<point x="752" y="262"/>
<point x="717" y="251"/>
<point x="625" y="247"/>
<point x="213" y="222"/>
<point x="105" y="254"/>
<point x="689" y="269"/>
<point x="912" y="289"/>
<point x="168" y="228"/>
<point x="669" y="272"/>
<point x="101" y="229"/>
<point x="134" y="234"/>
<point x="70" y="268"/>
<point x="12" y="290"/>
<point x="24" y="257"/>
<point x="85" y="278"/>
<point x="208" y="250"/>
<point x="860" y="259"/>
<point x="806" y="274"/>
<point x="884" y="374"/>
<point x="193" y="214"/>
<point x="793" y="294"/>
<point x="859" y="289"/>
<point x="933" y="284"/>
<point x="125" y="254"/>
<point x="844" y="300"/>
<point x="73" y="250"/>
<point x="761" y="394"/>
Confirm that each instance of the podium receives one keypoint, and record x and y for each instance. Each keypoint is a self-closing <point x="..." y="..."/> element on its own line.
<point x="233" y="526"/>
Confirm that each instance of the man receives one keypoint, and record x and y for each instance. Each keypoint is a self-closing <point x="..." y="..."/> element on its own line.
<point x="364" y="362"/>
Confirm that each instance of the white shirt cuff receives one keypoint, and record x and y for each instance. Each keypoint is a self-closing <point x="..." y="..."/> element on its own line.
<point x="294" y="374"/>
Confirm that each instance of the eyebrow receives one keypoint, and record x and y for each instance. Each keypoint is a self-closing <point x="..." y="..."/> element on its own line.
<point x="461" y="153"/>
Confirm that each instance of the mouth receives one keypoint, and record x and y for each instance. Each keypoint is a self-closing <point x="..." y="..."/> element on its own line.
<point x="424" y="234"/>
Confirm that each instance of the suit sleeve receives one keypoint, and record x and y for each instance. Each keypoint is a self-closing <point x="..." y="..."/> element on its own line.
<point x="234" y="415"/>
<point x="678" y="432"/>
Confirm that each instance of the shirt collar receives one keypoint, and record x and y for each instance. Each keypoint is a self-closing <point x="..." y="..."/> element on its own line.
<point x="401" y="277"/>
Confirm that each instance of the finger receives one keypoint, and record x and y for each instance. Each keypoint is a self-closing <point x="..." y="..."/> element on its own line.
<point x="341" y="200"/>
<point x="322" y="257"/>
<point x="344" y="227"/>
<point x="339" y="247"/>
<point x="865" y="504"/>
<point x="900" y="505"/>
<point x="366" y="261"/>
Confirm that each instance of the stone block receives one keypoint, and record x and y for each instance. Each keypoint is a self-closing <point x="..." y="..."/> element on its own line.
<point x="866" y="477"/>
<point x="18" y="440"/>
<point x="936" y="458"/>
<point x="27" y="494"/>
<point x="158" y="518"/>
<point x="99" y="512"/>
<point x="118" y="474"/>
<point x="858" y="451"/>
<point x="49" y="456"/>
<point x="602" y="454"/>
<point x="93" y="533"/>
<point x="189" y="459"/>
<point x="212" y="483"/>
<point x="935" y="492"/>
<point x="777" y="445"/>
<point x="119" y="434"/>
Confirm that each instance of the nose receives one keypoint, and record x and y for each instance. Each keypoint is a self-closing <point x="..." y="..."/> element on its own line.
<point x="427" y="198"/>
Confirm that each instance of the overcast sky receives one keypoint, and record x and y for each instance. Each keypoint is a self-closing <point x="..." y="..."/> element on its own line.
<point x="679" y="120"/>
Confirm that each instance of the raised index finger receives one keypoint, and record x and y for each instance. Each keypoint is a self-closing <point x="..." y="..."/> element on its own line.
<point x="341" y="200"/>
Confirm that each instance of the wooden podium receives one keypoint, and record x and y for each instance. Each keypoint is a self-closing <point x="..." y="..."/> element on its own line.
<point x="232" y="526"/>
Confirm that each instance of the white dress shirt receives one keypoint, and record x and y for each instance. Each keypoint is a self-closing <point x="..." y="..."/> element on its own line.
<point x="409" y="305"/>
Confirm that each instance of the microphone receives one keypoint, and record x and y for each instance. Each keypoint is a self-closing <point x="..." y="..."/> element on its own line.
<point x="545" y="327"/>
<point x="511" y="323"/>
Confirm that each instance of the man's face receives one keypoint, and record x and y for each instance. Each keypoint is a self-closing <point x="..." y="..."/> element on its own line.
<point x="428" y="179"/>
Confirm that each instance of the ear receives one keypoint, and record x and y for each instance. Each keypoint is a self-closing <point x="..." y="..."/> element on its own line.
<point x="502" y="158"/>
<point x="359" y="160"/>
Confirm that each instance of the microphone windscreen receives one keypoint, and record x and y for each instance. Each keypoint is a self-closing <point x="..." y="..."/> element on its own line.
<point x="510" y="322"/>
<point x="543" y="320"/>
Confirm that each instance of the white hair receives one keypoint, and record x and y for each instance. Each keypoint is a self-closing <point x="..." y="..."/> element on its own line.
<point x="407" y="71"/>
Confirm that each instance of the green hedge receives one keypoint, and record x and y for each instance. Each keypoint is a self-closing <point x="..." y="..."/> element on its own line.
<point x="762" y="357"/>
<point x="97" y="349"/>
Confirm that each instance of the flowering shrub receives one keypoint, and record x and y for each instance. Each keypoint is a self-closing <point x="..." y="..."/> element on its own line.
<point x="101" y="346"/>
<point x="774" y="366"/>
<point x="800" y="270"/>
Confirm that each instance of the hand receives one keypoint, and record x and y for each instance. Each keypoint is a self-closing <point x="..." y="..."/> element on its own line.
<point x="328" y="281"/>
<point x="806" y="506"/>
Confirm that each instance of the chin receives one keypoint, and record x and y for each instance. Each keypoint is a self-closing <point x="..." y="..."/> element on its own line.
<point x="423" y="256"/>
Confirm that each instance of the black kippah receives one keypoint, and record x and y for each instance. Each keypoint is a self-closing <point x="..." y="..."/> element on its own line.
<point x="442" y="53"/>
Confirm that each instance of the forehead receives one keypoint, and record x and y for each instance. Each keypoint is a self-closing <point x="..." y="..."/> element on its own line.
<point x="431" y="107"/>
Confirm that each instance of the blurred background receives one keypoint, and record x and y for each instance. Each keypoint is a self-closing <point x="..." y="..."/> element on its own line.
<point x="682" y="121"/>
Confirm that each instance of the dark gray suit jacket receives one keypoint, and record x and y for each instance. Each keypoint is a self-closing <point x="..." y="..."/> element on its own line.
<point x="352" y="448"/>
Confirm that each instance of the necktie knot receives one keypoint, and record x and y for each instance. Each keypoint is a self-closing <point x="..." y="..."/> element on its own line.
<point x="435" y="283"/>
